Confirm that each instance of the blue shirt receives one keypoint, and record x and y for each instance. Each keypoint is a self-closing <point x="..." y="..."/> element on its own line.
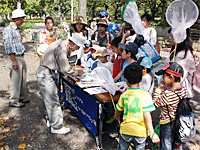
<point x="125" y="64"/>
<point x="112" y="27"/>
<point x="90" y="63"/>
<point x="12" y="40"/>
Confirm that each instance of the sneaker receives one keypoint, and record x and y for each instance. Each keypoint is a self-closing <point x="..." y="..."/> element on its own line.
<point x="48" y="124"/>
<point x="63" y="130"/>
<point x="111" y="120"/>
<point x="16" y="104"/>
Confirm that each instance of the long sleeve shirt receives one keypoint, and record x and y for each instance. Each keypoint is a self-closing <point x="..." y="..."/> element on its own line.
<point x="55" y="57"/>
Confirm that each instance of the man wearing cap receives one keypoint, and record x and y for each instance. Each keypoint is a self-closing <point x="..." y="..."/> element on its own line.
<point x="112" y="26"/>
<point x="55" y="60"/>
<point x="14" y="48"/>
<point x="101" y="37"/>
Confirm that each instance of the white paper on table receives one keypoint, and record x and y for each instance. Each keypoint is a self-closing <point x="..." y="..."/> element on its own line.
<point x="87" y="84"/>
<point x="95" y="90"/>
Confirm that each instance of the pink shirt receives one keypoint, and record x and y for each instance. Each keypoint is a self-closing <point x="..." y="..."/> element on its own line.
<point x="188" y="64"/>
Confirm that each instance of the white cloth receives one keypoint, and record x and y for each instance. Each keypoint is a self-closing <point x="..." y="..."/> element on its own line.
<point x="84" y="59"/>
<point x="150" y="35"/>
<point x="147" y="84"/>
<point x="107" y="65"/>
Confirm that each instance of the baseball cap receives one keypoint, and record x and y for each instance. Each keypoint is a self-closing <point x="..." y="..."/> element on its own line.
<point x="131" y="47"/>
<point x="145" y="62"/>
<point x="18" y="13"/>
<point x="78" y="39"/>
<point x="171" y="68"/>
<point x="103" y="13"/>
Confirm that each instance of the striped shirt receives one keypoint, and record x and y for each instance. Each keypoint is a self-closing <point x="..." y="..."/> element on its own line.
<point x="12" y="40"/>
<point x="168" y="99"/>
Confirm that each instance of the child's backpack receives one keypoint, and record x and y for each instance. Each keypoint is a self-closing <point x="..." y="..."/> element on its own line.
<point x="184" y="126"/>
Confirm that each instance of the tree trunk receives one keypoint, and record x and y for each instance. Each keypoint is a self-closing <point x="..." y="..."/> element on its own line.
<point x="82" y="9"/>
<point x="93" y="12"/>
<point x="163" y="10"/>
<point x="116" y="10"/>
<point x="60" y="11"/>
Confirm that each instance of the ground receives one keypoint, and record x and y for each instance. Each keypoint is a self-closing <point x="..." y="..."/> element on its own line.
<point x="27" y="125"/>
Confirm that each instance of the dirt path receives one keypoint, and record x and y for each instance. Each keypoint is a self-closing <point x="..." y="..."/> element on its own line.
<point x="29" y="122"/>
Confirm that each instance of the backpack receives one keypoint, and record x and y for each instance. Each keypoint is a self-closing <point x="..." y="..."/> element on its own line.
<point x="184" y="125"/>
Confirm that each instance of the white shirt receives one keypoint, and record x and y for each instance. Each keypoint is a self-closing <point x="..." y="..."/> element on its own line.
<point x="147" y="84"/>
<point x="150" y="35"/>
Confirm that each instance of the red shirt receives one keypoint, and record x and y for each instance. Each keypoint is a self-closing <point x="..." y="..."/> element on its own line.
<point x="118" y="65"/>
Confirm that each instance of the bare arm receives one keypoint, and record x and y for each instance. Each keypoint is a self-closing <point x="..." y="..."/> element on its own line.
<point x="117" y="114"/>
<point x="148" y="122"/>
<point x="14" y="61"/>
<point x="118" y="76"/>
<point x="121" y="29"/>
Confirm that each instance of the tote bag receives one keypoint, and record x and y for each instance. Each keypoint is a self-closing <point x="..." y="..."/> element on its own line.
<point x="147" y="50"/>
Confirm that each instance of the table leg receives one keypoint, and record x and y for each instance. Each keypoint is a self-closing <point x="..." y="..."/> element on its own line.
<point x="99" y="139"/>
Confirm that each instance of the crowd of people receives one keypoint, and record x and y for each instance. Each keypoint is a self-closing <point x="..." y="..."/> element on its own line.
<point x="101" y="46"/>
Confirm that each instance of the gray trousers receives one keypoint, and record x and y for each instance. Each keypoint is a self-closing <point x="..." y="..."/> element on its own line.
<point x="48" y="89"/>
<point x="18" y="86"/>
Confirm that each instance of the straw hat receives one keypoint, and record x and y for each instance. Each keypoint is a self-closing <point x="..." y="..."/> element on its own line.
<point x="101" y="51"/>
<point x="79" y="19"/>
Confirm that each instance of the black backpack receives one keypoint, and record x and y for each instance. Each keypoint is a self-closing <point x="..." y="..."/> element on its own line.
<point x="184" y="125"/>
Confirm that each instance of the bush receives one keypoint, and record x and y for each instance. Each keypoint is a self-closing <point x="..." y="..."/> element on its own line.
<point x="4" y="22"/>
<point x="159" y="23"/>
<point x="27" y="25"/>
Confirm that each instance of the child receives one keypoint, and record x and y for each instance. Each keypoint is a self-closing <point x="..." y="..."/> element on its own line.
<point x="118" y="63"/>
<point x="101" y="55"/>
<point x="150" y="33"/>
<point x="147" y="83"/>
<point x="137" y="105"/>
<point x="91" y="58"/>
<point x="128" y="53"/>
<point x="168" y="101"/>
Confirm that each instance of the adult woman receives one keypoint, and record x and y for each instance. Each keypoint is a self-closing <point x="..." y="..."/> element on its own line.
<point x="183" y="55"/>
<point x="47" y="36"/>
<point x="79" y="26"/>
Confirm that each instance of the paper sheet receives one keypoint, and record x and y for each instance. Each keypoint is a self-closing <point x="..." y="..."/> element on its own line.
<point x="95" y="90"/>
<point x="87" y="84"/>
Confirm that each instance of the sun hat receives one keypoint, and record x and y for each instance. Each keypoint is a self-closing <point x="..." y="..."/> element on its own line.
<point x="103" y="13"/>
<point x="131" y="47"/>
<point x="101" y="51"/>
<point x="78" y="39"/>
<point x="171" y="68"/>
<point x="79" y="19"/>
<point x="18" y="13"/>
<point x="103" y="22"/>
<point x="145" y="62"/>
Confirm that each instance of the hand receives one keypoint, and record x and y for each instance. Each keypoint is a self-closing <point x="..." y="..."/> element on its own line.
<point x="128" y="33"/>
<point x="123" y="25"/>
<point x="161" y="85"/>
<point x="80" y="72"/>
<point x="155" y="139"/>
<point x="15" y="64"/>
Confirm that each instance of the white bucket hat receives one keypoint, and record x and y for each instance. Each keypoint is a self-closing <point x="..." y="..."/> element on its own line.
<point x="18" y="13"/>
<point x="78" y="39"/>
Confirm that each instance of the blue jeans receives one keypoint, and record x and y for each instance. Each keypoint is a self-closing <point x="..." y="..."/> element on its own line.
<point x="166" y="138"/>
<point x="126" y="140"/>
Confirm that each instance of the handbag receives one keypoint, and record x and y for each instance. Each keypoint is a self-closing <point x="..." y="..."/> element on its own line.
<point x="147" y="50"/>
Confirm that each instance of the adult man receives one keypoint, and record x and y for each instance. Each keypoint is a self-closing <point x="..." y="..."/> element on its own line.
<point x="101" y="37"/>
<point x="55" y="59"/>
<point x="16" y="63"/>
<point x="112" y="26"/>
